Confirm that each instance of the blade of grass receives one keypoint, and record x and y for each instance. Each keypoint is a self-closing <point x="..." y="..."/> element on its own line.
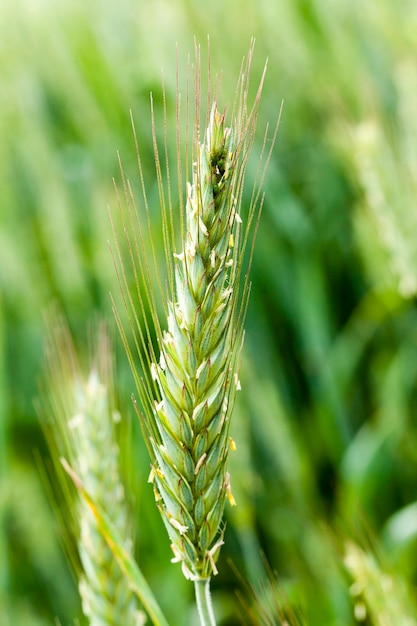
<point x="130" y="568"/>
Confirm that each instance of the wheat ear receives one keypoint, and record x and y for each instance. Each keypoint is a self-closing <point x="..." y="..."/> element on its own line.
<point x="80" y="427"/>
<point x="188" y="381"/>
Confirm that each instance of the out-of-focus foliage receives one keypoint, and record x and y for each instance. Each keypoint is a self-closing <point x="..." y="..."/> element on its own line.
<point x="378" y="595"/>
<point x="325" y="425"/>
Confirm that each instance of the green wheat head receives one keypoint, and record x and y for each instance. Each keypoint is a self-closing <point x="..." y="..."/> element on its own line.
<point x="188" y="378"/>
<point x="378" y="596"/>
<point x="78" y="419"/>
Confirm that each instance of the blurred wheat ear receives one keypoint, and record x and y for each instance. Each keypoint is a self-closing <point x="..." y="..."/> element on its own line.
<point x="377" y="596"/>
<point x="186" y="367"/>
<point x="78" y="416"/>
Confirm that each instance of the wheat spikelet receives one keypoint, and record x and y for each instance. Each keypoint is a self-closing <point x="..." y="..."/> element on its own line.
<point x="187" y="381"/>
<point x="81" y="428"/>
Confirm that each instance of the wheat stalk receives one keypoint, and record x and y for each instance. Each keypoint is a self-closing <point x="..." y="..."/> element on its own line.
<point x="188" y="380"/>
<point x="79" y="423"/>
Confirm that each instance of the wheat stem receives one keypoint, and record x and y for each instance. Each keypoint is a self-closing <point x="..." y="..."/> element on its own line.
<point x="203" y="600"/>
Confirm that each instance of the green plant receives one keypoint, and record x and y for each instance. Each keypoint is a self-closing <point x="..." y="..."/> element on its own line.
<point x="79" y="421"/>
<point x="378" y="596"/>
<point x="187" y="376"/>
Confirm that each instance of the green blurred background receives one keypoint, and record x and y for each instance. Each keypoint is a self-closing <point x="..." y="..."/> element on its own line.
<point x="325" y="425"/>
